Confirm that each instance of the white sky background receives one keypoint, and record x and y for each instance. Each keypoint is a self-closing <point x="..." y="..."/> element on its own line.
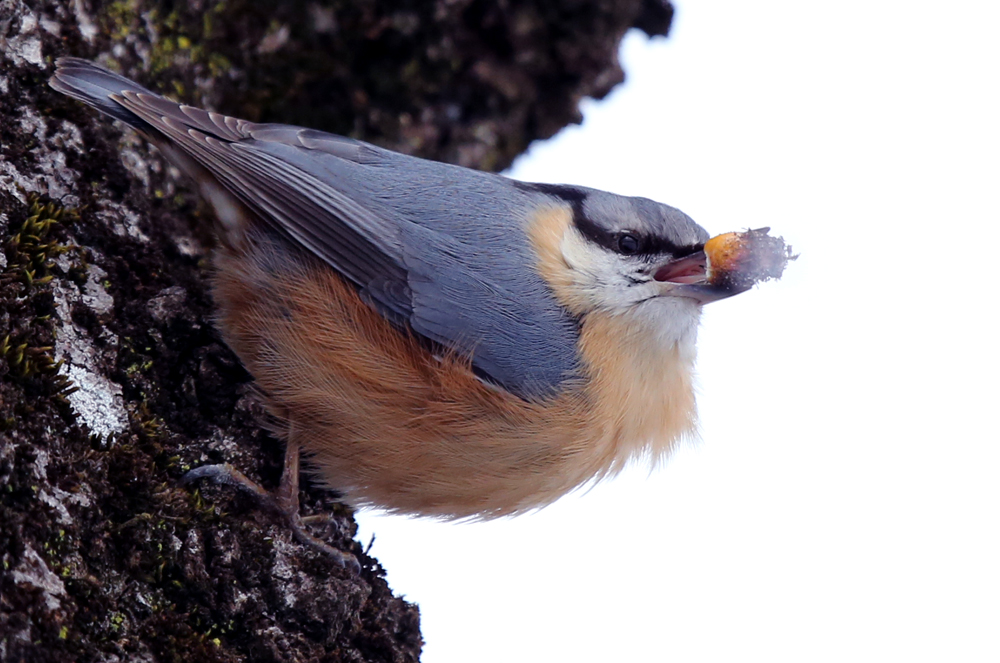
<point x="843" y="502"/>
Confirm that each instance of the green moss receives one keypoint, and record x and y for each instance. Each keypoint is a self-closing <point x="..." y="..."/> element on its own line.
<point x="31" y="251"/>
<point x="121" y="18"/>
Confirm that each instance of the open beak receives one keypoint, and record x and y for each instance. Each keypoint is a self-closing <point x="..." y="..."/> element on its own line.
<point x="688" y="277"/>
<point x="728" y="264"/>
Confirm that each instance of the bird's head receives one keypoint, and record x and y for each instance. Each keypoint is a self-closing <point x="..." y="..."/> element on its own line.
<point x="600" y="252"/>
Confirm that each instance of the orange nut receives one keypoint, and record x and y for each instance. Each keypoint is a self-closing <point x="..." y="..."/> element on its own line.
<point x="739" y="260"/>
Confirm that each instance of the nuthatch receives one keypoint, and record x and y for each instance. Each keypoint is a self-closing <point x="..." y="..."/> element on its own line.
<point x="441" y="341"/>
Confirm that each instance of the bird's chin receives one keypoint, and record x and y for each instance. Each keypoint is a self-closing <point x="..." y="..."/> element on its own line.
<point x="673" y="320"/>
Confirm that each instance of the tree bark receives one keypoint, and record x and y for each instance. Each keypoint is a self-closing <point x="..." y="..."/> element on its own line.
<point x="113" y="381"/>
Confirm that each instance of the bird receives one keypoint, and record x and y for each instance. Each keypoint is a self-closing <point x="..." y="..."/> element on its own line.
<point x="438" y="341"/>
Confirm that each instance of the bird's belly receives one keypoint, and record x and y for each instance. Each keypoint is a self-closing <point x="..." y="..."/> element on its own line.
<point x="387" y="423"/>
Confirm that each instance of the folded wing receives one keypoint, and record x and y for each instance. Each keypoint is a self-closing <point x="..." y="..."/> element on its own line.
<point x="436" y="247"/>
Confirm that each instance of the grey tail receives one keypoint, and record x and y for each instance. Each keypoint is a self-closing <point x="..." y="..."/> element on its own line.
<point x="94" y="85"/>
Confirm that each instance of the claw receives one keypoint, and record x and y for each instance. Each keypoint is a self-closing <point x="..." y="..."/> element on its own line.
<point x="284" y="500"/>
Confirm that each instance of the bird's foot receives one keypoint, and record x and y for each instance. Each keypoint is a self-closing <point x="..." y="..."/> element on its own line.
<point x="284" y="500"/>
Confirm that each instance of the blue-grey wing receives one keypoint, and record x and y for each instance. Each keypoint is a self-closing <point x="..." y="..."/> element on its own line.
<point x="437" y="247"/>
<point x="470" y="280"/>
<point x="516" y="336"/>
<point x="470" y="270"/>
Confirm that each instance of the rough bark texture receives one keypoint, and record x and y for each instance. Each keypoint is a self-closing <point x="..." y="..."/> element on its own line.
<point x="113" y="381"/>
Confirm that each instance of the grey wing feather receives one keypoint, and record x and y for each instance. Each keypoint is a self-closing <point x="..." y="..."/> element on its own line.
<point x="434" y="246"/>
<point x="515" y="334"/>
<point x="349" y="236"/>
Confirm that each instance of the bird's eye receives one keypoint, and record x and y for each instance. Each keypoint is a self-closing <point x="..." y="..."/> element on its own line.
<point x="628" y="244"/>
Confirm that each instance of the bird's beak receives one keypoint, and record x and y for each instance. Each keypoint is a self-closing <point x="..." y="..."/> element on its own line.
<point x="729" y="264"/>
<point x="688" y="277"/>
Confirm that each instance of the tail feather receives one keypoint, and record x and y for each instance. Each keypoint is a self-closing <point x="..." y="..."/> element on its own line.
<point x="94" y="85"/>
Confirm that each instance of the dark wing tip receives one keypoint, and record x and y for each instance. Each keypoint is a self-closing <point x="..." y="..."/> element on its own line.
<point x="96" y="86"/>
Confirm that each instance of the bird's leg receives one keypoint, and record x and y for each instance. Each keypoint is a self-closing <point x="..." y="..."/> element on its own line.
<point x="286" y="497"/>
<point x="285" y="500"/>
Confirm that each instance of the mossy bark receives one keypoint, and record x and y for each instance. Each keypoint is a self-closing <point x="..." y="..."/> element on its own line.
<point x="113" y="380"/>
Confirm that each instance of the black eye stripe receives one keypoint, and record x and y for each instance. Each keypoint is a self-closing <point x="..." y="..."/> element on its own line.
<point x="592" y="231"/>
<point x="648" y="245"/>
